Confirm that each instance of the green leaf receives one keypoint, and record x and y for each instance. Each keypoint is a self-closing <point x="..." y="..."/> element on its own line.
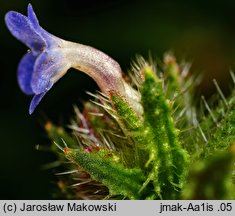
<point x="113" y="175"/>
<point x="169" y="161"/>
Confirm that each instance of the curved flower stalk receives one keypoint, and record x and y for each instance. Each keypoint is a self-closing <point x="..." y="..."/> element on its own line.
<point x="50" y="58"/>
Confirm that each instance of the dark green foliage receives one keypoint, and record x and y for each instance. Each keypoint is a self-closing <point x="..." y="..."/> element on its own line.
<point x="212" y="179"/>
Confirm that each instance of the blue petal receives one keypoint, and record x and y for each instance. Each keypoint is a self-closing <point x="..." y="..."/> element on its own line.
<point x="25" y="71"/>
<point x="50" y="39"/>
<point x="48" y="68"/>
<point x="35" y="101"/>
<point x="20" y="26"/>
<point x="32" y="17"/>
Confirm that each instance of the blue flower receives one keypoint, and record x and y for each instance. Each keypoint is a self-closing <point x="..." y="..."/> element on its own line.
<point x="44" y="64"/>
<point x="50" y="58"/>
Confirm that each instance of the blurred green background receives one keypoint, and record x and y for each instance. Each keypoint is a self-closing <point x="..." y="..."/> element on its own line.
<point x="199" y="31"/>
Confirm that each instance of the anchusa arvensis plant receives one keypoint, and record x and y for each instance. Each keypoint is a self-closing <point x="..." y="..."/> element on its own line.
<point x="138" y="139"/>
